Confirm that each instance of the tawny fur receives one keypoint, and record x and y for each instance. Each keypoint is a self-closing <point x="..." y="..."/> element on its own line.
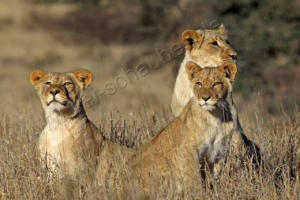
<point x="200" y="48"/>
<point x="210" y="48"/>
<point x="70" y="143"/>
<point x="200" y="134"/>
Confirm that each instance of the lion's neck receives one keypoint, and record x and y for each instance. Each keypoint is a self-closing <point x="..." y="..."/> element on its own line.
<point x="188" y="58"/>
<point x="203" y="62"/>
<point x="182" y="92"/>
<point x="71" y="124"/>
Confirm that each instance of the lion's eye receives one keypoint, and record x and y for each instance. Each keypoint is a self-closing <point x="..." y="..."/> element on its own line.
<point x="67" y="83"/>
<point x="199" y="83"/>
<point x="216" y="84"/>
<point x="215" y="43"/>
<point x="47" y="83"/>
<point x="227" y="41"/>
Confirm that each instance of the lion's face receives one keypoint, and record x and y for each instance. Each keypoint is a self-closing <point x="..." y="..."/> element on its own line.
<point x="60" y="92"/>
<point x="209" y="47"/>
<point x="211" y="85"/>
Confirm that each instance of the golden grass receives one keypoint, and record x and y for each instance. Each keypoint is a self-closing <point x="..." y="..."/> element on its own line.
<point x="21" y="176"/>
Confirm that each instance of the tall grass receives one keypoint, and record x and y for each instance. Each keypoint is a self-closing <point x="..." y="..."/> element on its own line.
<point x="21" y="175"/>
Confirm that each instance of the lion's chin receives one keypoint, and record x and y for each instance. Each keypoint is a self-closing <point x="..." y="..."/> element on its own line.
<point x="56" y="106"/>
<point x="208" y="107"/>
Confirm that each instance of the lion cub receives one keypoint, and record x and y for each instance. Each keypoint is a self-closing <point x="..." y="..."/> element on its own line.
<point x="200" y="134"/>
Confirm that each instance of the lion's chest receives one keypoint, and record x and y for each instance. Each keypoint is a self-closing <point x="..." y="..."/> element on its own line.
<point x="56" y="143"/>
<point x="217" y="142"/>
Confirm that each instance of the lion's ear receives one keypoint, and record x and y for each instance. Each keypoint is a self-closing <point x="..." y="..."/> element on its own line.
<point x="84" y="77"/>
<point x="229" y="70"/>
<point x="35" y="76"/>
<point x="222" y="29"/>
<point x="191" y="69"/>
<point x="190" y="37"/>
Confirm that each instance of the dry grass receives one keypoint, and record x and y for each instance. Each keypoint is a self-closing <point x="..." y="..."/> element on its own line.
<point x="132" y="116"/>
<point x="278" y="178"/>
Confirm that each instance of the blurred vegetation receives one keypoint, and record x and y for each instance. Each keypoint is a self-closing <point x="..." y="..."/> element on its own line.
<point x="264" y="33"/>
<point x="83" y="2"/>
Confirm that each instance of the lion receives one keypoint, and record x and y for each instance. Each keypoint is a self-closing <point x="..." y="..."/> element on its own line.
<point x="200" y="135"/>
<point x="70" y="143"/>
<point x="210" y="48"/>
<point x="69" y="138"/>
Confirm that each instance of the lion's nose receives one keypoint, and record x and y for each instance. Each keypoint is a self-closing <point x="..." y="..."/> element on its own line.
<point x="234" y="57"/>
<point x="206" y="98"/>
<point x="54" y="92"/>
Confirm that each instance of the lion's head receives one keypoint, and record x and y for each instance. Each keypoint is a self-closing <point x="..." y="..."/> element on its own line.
<point x="209" y="47"/>
<point x="61" y="92"/>
<point x="211" y="86"/>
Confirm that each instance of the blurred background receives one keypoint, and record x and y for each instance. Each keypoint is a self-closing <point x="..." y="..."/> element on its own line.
<point x="134" y="49"/>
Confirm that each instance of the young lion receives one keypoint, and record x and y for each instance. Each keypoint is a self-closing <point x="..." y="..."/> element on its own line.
<point x="210" y="48"/>
<point x="69" y="140"/>
<point x="200" y="134"/>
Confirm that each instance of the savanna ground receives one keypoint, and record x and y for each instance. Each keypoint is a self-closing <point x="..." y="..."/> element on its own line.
<point x="133" y="49"/>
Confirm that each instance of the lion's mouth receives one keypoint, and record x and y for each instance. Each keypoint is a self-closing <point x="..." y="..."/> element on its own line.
<point x="207" y="105"/>
<point x="54" y="100"/>
<point x="230" y="59"/>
